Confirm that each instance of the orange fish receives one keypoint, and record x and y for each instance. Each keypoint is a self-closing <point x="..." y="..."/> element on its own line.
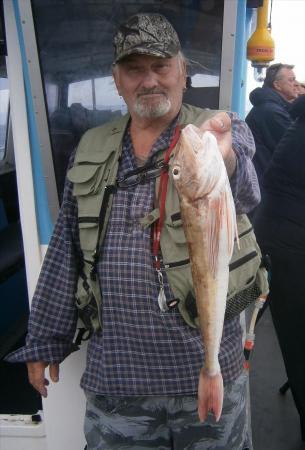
<point x="209" y="223"/>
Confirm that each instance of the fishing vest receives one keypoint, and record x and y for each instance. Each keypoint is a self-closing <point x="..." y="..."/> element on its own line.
<point x="94" y="175"/>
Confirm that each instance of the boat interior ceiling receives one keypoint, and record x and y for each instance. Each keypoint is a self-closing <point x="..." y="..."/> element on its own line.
<point x="78" y="34"/>
<point x="76" y="53"/>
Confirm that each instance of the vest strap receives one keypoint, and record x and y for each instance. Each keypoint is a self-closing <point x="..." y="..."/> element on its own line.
<point x="108" y="191"/>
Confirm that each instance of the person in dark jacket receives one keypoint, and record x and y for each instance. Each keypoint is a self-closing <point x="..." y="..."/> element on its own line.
<point x="269" y="118"/>
<point x="301" y="88"/>
<point x="280" y="230"/>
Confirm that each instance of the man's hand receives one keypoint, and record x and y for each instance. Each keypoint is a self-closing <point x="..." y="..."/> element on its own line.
<point x="220" y="126"/>
<point x="36" y="374"/>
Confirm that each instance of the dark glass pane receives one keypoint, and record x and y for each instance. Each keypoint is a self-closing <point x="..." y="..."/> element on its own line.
<point x="75" y="48"/>
<point x="4" y="106"/>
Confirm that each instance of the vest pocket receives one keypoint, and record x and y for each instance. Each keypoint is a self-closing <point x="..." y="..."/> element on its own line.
<point x="176" y="259"/>
<point x="243" y="278"/>
<point x="180" y="279"/>
<point x="177" y="263"/>
<point x="173" y="243"/>
<point x="177" y="234"/>
<point x="87" y="178"/>
<point x="245" y="261"/>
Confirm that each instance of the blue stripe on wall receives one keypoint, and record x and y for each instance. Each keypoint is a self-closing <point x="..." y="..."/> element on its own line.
<point x="45" y="225"/>
<point x="240" y="61"/>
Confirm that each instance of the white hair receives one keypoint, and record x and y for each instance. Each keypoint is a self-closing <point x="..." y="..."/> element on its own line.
<point x="182" y="62"/>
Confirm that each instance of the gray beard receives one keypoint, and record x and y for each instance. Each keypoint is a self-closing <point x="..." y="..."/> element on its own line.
<point x="152" y="111"/>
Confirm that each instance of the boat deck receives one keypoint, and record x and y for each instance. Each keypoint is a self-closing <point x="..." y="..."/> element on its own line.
<point x="275" y="421"/>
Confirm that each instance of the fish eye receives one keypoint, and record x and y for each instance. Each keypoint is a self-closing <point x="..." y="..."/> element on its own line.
<point x="176" y="172"/>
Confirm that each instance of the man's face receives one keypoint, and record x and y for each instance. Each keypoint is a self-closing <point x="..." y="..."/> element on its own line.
<point x="301" y="89"/>
<point x="152" y="87"/>
<point x="286" y="84"/>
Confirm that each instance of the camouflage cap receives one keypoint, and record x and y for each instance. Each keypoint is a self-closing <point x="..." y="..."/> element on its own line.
<point x="147" y="34"/>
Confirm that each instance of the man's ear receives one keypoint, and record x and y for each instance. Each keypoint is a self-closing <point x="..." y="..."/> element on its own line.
<point x="116" y="78"/>
<point x="184" y="73"/>
<point x="277" y="85"/>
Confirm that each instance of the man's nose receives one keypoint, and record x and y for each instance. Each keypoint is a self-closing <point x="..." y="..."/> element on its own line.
<point x="149" y="79"/>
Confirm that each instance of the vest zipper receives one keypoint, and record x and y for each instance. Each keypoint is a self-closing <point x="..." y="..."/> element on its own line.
<point x="245" y="232"/>
<point x="87" y="163"/>
<point x="177" y="264"/>
<point x="234" y="265"/>
<point x="88" y="219"/>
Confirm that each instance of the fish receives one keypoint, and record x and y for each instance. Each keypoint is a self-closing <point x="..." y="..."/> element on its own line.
<point x="209" y="223"/>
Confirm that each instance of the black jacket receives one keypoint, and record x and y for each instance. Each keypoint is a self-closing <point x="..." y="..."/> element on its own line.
<point x="268" y="120"/>
<point x="280" y="218"/>
<point x="285" y="177"/>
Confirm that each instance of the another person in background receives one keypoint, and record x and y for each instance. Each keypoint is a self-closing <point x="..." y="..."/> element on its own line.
<point x="301" y="88"/>
<point x="269" y="118"/>
<point x="280" y="230"/>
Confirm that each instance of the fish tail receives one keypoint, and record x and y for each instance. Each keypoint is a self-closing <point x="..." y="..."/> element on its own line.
<point x="210" y="395"/>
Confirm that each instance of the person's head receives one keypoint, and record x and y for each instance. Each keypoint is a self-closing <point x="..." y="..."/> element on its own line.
<point x="301" y="88"/>
<point x="281" y="78"/>
<point x="149" y="68"/>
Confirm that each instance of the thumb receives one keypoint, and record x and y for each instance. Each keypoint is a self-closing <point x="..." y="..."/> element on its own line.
<point x="54" y="372"/>
<point x="221" y="122"/>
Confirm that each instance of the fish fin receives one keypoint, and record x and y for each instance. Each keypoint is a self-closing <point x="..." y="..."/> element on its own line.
<point x="210" y="395"/>
<point x="236" y="233"/>
<point x="221" y="214"/>
<point x="214" y="225"/>
<point x="231" y="221"/>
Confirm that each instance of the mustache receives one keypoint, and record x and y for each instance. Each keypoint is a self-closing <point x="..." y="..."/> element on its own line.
<point x="151" y="91"/>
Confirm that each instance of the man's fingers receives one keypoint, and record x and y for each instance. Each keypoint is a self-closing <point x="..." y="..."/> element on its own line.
<point x="220" y="123"/>
<point x="36" y="374"/>
<point x="54" y="372"/>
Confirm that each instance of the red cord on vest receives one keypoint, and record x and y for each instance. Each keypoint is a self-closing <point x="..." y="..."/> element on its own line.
<point x="162" y="196"/>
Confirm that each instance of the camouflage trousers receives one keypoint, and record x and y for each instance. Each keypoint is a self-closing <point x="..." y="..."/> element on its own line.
<point x="166" y="422"/>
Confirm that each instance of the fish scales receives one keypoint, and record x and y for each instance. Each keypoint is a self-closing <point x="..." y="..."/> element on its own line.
<point x="209" y="222"/>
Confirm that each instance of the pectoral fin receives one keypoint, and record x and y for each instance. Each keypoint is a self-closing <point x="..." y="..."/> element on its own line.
<point x="220" y="221"/>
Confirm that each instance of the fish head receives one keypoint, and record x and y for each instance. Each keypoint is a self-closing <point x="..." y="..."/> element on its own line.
<point x="196" y="164"/>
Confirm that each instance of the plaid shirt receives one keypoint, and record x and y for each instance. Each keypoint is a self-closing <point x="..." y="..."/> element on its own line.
<point x="140" y="350"/>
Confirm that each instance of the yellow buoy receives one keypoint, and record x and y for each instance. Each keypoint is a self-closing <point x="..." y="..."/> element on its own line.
<point x="260" y="46"/>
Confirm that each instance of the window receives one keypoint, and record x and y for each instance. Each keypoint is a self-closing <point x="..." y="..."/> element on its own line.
<point x="76" y="54"/>
<point x="96" y="94"/>
<point x="81" y="92"/>
<point x="4" y="107"/>
<point x="52" y="96"/>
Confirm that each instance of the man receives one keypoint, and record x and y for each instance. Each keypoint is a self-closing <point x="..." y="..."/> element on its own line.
<point x="269" y="118"/>
<point x="143" y="365"/>
<point x="280" y="229"/>
<point x="301" y="88"/>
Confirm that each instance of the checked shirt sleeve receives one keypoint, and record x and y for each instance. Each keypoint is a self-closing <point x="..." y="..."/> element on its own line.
<point x="53" y="315"/>
<point x="244" y="184"/>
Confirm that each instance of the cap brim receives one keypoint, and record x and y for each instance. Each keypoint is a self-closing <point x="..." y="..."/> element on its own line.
<point x="145" y="51"/>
